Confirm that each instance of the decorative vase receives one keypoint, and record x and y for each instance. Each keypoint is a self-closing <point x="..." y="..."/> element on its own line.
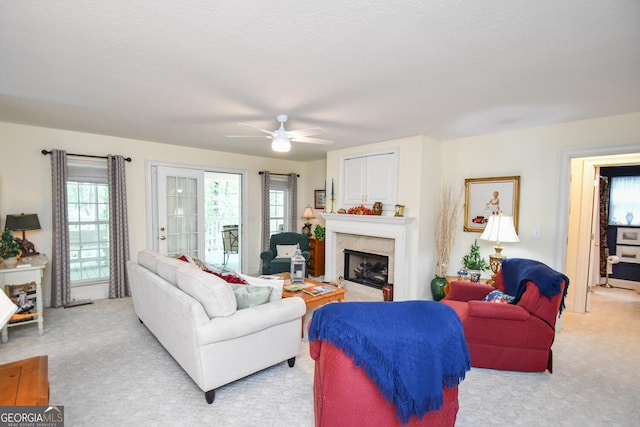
<point x="437" y="287"/>
<point x="474" y="276"/>
<point x="387" y="292"/>
<point x="629" y="217"/>
<point x="11" y="261"/>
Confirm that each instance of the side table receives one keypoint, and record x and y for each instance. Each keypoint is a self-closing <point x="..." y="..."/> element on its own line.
<point x="29" y="270"/>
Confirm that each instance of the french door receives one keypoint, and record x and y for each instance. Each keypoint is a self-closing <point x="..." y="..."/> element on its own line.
<point x="180" y="226"/>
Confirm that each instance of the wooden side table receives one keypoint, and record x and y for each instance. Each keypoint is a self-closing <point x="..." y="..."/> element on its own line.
<point x="20" y="275"/>
<point x="315" y="266"/>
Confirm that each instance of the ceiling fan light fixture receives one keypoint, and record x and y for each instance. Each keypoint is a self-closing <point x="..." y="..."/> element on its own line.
<point x="280" y="144"/>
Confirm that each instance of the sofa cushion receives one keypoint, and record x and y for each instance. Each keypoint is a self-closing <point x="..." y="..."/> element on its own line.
<point x="274" y="284"/>
<point x="148" y="259"/>
<point x="215" y="295"/>
<point x="249" y="296"/>
<point x="166" y="268"/>
<point x="286" y="251"/>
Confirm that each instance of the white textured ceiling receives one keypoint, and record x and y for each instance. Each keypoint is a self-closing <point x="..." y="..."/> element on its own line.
<point x="185" y="72"/>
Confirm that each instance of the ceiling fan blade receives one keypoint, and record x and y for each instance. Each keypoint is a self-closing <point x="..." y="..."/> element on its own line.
<point x="308" y="140"/>
<point x="305" y="132"/>
<point x="249" y="136"/>
<point x="256" y="128"/>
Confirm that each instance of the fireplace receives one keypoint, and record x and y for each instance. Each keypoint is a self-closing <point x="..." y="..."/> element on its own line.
<point x="366" y="268"/>
<point x="386" y="235"/>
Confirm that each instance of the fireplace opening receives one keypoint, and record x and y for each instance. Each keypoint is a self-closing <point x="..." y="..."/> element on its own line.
<point x="366" y="268"/>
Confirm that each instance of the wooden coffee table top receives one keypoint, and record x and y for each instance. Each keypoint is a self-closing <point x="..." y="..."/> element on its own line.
<point x="310" y="300"/>
<point x="25" y="382"/>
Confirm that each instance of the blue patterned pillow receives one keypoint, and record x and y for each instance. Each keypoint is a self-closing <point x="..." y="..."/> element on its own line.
<point x="499" y="297"/>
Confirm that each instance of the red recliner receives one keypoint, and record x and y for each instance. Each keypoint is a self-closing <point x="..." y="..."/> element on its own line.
<point x="514" y="337"/>
<point x="345" y="396"/>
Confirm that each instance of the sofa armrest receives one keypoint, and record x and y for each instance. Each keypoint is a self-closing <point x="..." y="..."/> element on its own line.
<point x="267" y="256"/>
<point x="250" y="320"/>
<point x="467" y="291"/>
<point x="497" y="311"/>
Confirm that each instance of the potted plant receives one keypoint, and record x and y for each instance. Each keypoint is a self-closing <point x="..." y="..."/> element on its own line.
<point x="9" y="248"/>
<point x="474" y="262"/>
<point x="319" y="232"/>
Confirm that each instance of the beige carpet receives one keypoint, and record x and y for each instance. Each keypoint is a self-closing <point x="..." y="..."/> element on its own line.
<point x="107" y="369"/>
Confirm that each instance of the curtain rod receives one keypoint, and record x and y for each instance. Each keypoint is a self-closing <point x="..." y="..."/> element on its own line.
<point x="45" y="152"/>
<point x="279" y="174"/>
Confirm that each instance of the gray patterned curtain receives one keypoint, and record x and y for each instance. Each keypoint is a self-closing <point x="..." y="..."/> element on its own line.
<point x="266" y="179"/>
<point x="604" y="223"/>
<point x="60" y="262"/>
<point x="293" y="201"/>
<point x="118" y="229"/>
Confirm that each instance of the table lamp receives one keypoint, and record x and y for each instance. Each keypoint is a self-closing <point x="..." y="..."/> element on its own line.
<point x="308" y="215"/>
<point x="23" y="222"/>
<point x="499" y="229"/>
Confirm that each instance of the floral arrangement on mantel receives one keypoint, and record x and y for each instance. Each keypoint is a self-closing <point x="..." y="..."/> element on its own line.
<point x="445" y="225"/>
<point x="360" y="210"/>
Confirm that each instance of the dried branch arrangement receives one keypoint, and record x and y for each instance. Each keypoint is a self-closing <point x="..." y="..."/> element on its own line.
<point x="450" y="198"/>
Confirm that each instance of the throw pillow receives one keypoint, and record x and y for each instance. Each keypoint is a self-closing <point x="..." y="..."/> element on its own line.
<point x="274" y="284"/>
<point x="215" y="295"/>
<point x="250" y="296"/>
<point x="498" y="296"/>
<point x="229" y="278"/>
<point x="286" y="251"/>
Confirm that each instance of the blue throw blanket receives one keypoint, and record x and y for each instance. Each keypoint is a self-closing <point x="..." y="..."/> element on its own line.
<point x="410" y="349"/>
<point x="517" y="272"/>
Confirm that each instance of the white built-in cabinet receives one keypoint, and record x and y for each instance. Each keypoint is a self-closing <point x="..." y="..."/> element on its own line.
<point x="369" y="178"/>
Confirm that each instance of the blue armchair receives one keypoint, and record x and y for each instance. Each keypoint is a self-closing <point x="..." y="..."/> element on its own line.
<point x="271" y="264"/>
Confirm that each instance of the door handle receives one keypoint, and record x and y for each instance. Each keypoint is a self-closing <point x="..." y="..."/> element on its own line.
<point x="163" y="238"/>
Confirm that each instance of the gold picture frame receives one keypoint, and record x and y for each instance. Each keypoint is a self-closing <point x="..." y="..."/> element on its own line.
<point x="480" y="200"/>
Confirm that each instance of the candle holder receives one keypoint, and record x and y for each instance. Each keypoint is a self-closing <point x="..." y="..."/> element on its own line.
<point x="332" y="201"/>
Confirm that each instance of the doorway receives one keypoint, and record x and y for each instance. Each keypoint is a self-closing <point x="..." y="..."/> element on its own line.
<point x="191" y="207"/>
<point x="578" y="199"/>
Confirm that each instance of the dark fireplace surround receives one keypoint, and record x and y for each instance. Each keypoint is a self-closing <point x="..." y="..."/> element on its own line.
<point x="366" y="268"/>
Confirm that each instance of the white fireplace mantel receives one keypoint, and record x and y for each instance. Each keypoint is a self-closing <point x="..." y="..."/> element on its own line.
<point x="390" y="227"/>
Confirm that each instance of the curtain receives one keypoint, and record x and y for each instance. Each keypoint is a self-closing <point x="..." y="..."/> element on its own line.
<point x="604" y="222"/>
<point x="60" y="263"/>
<point x="118" y="229"/>
<point x="266" y="179"/>
<point x="293" y="200"/>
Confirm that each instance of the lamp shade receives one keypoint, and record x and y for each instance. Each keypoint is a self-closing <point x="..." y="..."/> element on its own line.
<point x="500" y="229"/>
<point x="308" y="213"/>
<point x="22" y="222"/>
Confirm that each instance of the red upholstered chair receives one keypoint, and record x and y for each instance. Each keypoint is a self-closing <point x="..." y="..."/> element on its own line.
<point x="345" y="396"/>
<point x="514" y="337"/>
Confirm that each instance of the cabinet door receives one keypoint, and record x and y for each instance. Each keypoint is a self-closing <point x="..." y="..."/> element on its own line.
<point x="380" y="179"/>
<point x="354" y="180"/>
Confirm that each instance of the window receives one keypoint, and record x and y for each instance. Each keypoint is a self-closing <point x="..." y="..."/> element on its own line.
<point x="624" y="200"/>
<point x="88" y="221"/>
<point x="279" y="206"/>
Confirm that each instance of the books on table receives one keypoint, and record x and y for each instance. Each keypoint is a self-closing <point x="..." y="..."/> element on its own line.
<point x="318" y="290"/>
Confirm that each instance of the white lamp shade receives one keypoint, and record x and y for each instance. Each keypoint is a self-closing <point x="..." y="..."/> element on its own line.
<point x="500" y="229"/>
<point x="308" y="213"/>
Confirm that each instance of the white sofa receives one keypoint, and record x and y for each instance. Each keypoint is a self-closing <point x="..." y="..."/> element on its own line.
<point x="213" y="341"/>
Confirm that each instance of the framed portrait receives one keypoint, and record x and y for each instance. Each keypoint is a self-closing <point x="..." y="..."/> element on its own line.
<point x="486" y="196"/>
<point x="318" y="196"/>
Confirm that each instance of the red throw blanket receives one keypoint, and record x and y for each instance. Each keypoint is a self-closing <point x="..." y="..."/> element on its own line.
<point x="410" y="350"/>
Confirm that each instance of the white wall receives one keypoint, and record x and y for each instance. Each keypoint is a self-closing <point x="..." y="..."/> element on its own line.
<point x="25" y="179"/>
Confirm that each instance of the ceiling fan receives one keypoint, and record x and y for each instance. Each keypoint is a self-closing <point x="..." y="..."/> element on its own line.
<point x="281" y="138"/>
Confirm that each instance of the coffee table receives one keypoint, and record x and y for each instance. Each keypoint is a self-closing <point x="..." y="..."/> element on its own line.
<point x="313" y="301"/>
